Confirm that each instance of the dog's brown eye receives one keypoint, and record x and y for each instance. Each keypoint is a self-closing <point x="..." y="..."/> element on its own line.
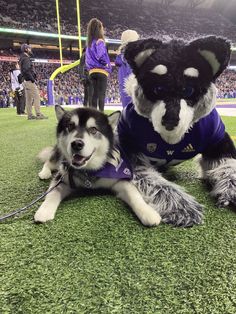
<point x="92" y="130"/>
<point x="70" y="127"/>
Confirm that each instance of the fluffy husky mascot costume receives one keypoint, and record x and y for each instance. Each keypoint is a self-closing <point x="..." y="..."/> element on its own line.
<point x="173" y="118"/>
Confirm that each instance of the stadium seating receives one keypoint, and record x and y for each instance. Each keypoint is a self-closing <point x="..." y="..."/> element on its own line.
<point x="153" y="20"/>
<point x="69" y="90"/>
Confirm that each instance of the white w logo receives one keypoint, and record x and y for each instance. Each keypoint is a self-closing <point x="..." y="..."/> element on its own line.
<point x="170" y="152"/>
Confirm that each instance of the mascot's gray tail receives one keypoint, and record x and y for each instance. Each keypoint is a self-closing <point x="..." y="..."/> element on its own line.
<point x="174" y="205"/>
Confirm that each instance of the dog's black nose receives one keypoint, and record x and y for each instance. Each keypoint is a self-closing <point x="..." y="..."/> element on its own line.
<point x="77" y="145"/>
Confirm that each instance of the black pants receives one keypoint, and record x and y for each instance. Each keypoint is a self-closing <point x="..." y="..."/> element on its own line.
<point x="86" y="83"/>
<point x="20" y="101"/>
<point x="97" y="90"/>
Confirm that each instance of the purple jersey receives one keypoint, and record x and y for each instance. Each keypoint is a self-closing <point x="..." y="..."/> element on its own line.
<point x="137" y="135"/>
<point x="97" y="57"/>
<point x="116" y="167"/>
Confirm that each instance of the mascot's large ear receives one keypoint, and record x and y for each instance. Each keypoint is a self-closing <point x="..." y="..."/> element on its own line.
<point x="215" y="50"/>
<point x="137" y="52"/>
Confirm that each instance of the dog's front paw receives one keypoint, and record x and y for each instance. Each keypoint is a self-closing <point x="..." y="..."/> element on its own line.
<point x="150" y="217"/>
<point x="43" y="215"/>
<point x="45" y="174"/>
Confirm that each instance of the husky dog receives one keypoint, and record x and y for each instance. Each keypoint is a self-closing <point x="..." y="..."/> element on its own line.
<point x="174" y="119"/>
<point x="86" y="157"/>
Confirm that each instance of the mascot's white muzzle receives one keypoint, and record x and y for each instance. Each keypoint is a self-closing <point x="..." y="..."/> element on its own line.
<point x="182" y="121"/>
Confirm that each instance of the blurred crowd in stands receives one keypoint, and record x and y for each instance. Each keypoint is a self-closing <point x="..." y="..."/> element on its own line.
<point x="67" y="86"/>
<point x="226" y="84"/>
<point x="147" y="18"/>
<point x="69" y="90"/>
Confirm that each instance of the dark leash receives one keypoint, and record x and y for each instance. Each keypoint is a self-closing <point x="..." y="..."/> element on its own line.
<point x="19" y="210"/>
<point x="87" y="180"/>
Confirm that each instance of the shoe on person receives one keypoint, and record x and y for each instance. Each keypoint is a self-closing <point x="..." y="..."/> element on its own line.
<point x="31" y="117"/>
<point x="41" y="117"/>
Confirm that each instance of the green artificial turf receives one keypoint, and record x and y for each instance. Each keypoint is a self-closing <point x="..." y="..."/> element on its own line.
<point x="96" y="257"/>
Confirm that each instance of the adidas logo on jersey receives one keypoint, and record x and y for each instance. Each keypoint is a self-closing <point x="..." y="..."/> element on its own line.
<point x="188" y="149"/>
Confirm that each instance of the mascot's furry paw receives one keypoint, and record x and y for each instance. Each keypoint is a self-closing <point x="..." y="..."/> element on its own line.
<point x="175" y="206"/>
<point x="223" y="180"/>
<point x="178" y="208"/>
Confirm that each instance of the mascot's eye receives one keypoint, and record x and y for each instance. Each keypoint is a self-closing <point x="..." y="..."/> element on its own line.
<point x="71" y="127"/>
<point x="160" y="89"/>
<point x="92" y="130"/>
<point x="188" y="91"/>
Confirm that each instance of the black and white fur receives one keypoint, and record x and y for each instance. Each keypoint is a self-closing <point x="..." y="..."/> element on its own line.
<point x="84" y="143"/>
<point x="173" y="87"/>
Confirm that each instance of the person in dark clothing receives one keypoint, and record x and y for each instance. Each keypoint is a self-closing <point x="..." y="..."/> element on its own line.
<point x="98" y="63"/>
<point x="31" y="90"/>
<point x="18" y="89"/>
<point x="84" y="78"/>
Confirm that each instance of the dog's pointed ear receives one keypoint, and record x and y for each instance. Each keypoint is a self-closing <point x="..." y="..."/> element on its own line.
<point x="59" y="112"/>
<point x="215" y="50"/>
<point x="137" y="52"/>
<point x="113" y="119"/>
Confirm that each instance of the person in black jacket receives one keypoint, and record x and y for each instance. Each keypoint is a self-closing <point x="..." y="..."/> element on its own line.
<point x="18" y="89"/>
<point x="84" y="78"/>
<point x="31" y="90"/>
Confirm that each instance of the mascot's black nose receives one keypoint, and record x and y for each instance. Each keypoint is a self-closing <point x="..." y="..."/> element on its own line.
<point x="171" y="117"/>
<point x="169" y="124"/>
<point x="77" y="145"/>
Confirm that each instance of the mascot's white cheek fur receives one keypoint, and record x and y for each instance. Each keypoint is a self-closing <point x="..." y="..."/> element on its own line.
<point x="185" y="121"/>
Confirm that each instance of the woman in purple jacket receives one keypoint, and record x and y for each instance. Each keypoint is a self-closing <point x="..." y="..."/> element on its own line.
<point x="124" y="68"/>
<point x="97" y="63"/>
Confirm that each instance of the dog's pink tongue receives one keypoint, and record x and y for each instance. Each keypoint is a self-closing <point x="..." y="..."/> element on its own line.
<point x="77" y="159"/>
